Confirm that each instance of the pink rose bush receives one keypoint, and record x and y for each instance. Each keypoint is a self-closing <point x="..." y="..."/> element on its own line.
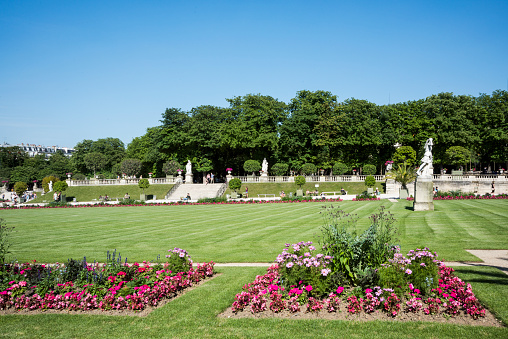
<point x="292" y="284"/>
<point x="112" y="286"/>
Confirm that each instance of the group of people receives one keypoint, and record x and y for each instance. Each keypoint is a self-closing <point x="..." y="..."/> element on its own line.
<point x="210" y="178"/>
<point x="104" y="198"/>
<point x="57" y="196"/>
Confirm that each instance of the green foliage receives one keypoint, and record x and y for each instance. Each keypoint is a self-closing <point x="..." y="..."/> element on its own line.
<point x="130" y="202"/>
<point x="171" y="167"/>
<point x="369" y="169"/>
<point x="47" y="180"/>
<point x="143" y="183"/>
<point x="213" y="200"/>
<point x="404" y="154"/>
<point x="370" y="181"/>
<point x="279" y="169"/>
<point x="252" y="166"/>
<point x="340" y="168"/>
<point x="300" y="180"/>
<point x="458" y="155"/>
<point x="308" y="169"/>
<point x="20" y="187"/>
<point x="130" y="167"/>
<point x="5" y="243"/>
<point x="95" y="161"/>
<point x="352" y="253"/>
<point x="235" y="184"/>
<point x="403" y="174"/>
<point x="60" y="186"/>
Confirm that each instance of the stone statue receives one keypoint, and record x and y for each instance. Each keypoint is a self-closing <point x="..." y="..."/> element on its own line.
<point x="426" y="169"/>
<point x="50" y="186"/>
<point x="188" y="167"/>
<point x="264" y="166"/>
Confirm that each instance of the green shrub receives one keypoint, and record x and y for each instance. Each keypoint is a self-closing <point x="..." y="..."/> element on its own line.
<point x="79" y="176"/>
<point x="179" y="260"/>
<point x="60" y="186"/>
<point x="369" y="169"/>
<point x="404" y="154"/>
<point x="20" y="187"/>
<point x="4" y="241"/>
<point x="235" y="184"/>
<point x="47" y="180"/>
<point x="370" y="181"/>
<point x="365" y="195"/>
<point x="252" y="166"/>
<point x="130" y="167"/>
<point x="130" y="202"/>
<point x="340" y="168"/>
<point x="171" y="167"/>
<point x="212" y="200"/>
<point x="279" y="169"/>
<point x="293" y="198"/>
<point x="300" y="180"/>
<point x="143" y="183"/>
<point x="308" y="169"/>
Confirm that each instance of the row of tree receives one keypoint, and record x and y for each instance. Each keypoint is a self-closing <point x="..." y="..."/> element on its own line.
<point x="312" y="129"/>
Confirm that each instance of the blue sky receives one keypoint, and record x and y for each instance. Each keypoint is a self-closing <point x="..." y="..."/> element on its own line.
<point x="74" y="70"/>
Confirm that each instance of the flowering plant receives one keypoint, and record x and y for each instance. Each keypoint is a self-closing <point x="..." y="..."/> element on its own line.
<point x="229" y="169"/>
<point x="388" y="162"/>
<point x="179" y="260"/>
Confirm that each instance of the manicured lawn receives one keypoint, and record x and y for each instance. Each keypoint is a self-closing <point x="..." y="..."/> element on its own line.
<point x="195" y="315"/>
<point x="232" y="233"/>
<point x="242" y="233"/>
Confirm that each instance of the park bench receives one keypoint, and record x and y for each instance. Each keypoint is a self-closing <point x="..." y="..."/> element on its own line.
<point x="332" y="193"/>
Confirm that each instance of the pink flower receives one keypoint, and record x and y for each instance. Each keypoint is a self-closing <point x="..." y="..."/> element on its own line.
<point x="340" y="289"/>
<point x="368" y="290"/>
<point x="308" y="288"/>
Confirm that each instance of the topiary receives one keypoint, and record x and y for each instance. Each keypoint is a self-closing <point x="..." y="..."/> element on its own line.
<point x="404" y="154"/>
<point x="369" y="169"/>
<point x="308" y="169"/>
<point x="20" y="187"/>
<point x="143" y="183"/>
<point x="235" y="184"/>
<point x="300" y="180"/>
<point x="279" y="169"/>
<point x="60" y="186"/>
<point x="252" y="166"/>
<point x="171" y="167"/>
<point x="370" y="181"/>
<point x="340" y="168"/>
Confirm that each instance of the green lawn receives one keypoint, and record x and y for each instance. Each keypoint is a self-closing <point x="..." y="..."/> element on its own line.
<point x="87" y="193"/>
<point x="232" y="233"/>
<point x="242" y="233"/>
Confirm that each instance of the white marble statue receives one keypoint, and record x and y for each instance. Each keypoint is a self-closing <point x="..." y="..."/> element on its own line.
<point x="426" y="169"/>
<point x="264" y="166"/>
<point x="50" y="186"/>
<point x="188" y="167"/>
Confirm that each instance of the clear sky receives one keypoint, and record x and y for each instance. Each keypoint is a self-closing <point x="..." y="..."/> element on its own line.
<point x="75" y="70"/>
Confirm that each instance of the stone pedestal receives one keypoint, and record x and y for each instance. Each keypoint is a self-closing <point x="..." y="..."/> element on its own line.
<point x="263" y="177"/>
<point x="189" y="178"/>
<point x="424" y="195"/>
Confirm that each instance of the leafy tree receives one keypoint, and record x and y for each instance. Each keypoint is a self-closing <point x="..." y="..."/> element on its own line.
<point x="20" y="188"/>
<point x="171" y="167"/>
<point x="252" y="166"/>
<point x="60" y="186"/>
<point x="59" y="164"/>
<point x="279" y="169"/>
<point x="202" y="165"/>
<point x="370" y="181"/>
<point x="12" y="156"/>
<point x="369" y="169"/>
<point x="143" y="183"/>
<point x="404" y="154"/>
<point x="78" y="157"/>
<point x="308" y="169"/>
<point x="24" y="174"/>
<point x="235" y="184"/>
<point x="47" y="180"/>
<point x="130" y="166"/>
<point x="300" y="181"/>
<point x="458" y="155"/>
<point x="112" y="148"/>
<point x="340" y="168"/>
<point x="95" y="161"/>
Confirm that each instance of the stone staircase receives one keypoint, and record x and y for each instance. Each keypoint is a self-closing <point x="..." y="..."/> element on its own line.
<point x="196" y="191"/>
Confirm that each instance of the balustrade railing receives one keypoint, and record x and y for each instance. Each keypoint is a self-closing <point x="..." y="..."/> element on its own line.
<point x="173" y="189"/>
<point x="221" y="190"/>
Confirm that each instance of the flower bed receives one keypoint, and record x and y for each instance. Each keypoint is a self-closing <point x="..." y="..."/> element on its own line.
<point x="280" y="293"/>
<point x="467" y="197"/>
<point x="92" y="286"/>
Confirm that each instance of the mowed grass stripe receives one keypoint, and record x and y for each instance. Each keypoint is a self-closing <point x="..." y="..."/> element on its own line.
<point x="229" y="233"/>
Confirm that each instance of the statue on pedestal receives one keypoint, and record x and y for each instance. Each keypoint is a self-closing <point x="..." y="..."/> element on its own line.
<point x="188" y="167"/>
<point x="264" y="166"/>
<point x="426" y="169"/>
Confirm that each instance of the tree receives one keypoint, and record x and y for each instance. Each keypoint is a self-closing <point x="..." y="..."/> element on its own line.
<point x="143" y="183"/>
<point x="24" y="174"/>
<point x="369" y="169"/>
<point x="235" y="184"/>
<point x="202" y="165"/>
<point x="279" y="169"/>
<point x="340" y="168"/>
<point x="60" y="186"/>
<point x="403" y="174"/>
<point x="252" y="166"/>
<point x="370" y="181"/>
<point x="308" y="169"/>
<point x="59" y="165"/>
<point x="300" y="181"/>
<point x="130" y="166"/>
<point x="458" y="156"/>
<point x="20" y="188"/>
<point x="171" y="167"/>
<point x="95" y="161"/>
<point x="112" y="148"/>
<point x="404" y="154"/>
